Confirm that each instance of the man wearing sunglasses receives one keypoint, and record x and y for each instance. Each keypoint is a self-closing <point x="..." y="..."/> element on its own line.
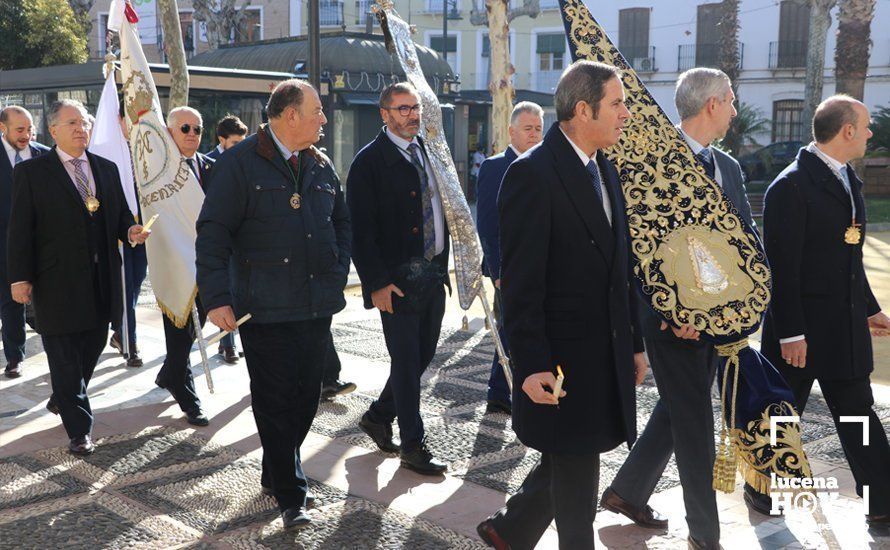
<point x="186" y="126"/>
<point x="400" y="249"/>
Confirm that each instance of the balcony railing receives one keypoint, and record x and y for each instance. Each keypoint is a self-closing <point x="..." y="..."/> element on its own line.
<point x="788" y="54"/>
<point x="641" y="60"/>
<point x="703" y="55"/>
<point x="330" y="13"/>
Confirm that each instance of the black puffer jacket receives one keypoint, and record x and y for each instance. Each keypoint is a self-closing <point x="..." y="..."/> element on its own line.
<point x="288" y="264"/>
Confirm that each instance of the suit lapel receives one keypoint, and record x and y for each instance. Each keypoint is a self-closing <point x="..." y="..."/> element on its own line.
<point x="5" y="165"/>
<point x="824" y="177"/>
<point x="510" y="155"/>
<point x="576" y="181"/>
<point x="62" y="179"/>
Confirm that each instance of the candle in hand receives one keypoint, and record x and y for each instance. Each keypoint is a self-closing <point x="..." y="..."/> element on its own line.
<point x="560" y="378"/>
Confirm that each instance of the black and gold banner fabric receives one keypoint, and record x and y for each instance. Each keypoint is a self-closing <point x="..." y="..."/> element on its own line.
<point x="697" y="262"/>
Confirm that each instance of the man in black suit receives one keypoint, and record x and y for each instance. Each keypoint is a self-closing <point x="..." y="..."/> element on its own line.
<point x="823" y="307"/>
<point x="400" y="250"/>
<point x="526" y="130"/>
<point x="186" y="126"/>
<point x="68" y="213"/>
<point x="681" y="422"/>
<point x="568" y="303"/>
<point x="17" y="127"/>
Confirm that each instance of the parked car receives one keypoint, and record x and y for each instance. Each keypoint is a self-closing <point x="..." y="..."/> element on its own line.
<point x="766" y="162"/>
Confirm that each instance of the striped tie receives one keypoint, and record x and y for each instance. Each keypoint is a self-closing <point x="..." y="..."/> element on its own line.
<point x="80" y="179"/>
<point x="429" y="228"/>
<point x="706" y="158"/>
<point x="18" y="157"/>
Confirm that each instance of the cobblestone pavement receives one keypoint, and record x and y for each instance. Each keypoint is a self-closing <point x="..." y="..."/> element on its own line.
<point x="155" y="482"/>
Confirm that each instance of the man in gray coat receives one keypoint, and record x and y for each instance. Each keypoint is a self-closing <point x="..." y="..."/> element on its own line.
<point x="682" y="421"/>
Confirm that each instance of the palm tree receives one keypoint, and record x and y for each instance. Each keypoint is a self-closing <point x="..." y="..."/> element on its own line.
<point x="853" y="41"/>
<point x="749" y="123"/>
<point x="729" y="61"/>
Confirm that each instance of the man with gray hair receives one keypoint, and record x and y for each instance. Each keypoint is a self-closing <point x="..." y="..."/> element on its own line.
<point x="568" y="309"/>
<point x="684" y="369"/>
<point x="17" y="126"/>
<point x="526" y="131"/>
<point x="68" y="213"/>
<point x="274" y="241"/>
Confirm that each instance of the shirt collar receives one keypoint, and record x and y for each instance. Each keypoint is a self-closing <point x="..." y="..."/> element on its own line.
<point x="287" y="153"/>
<point x="694" y="145"/>
<point x="836" y="164"/>
<point x="400" y="142"/>
<point x="581" y="154"/>
<point x="516" y="151"/>
<point x="9" y="148"/>
<point x="67" y="158"/>
<point x="219" y="148"/>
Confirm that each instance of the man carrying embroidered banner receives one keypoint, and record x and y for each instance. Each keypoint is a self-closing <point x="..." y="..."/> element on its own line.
<point x="700" y="265"/>
<point x="167" y="186"/>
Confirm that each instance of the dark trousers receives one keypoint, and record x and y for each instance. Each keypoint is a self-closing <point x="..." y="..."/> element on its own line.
<point x="331" y="364"/>
<point x="870" y="464"/>
<point x="12" y="318"/>
<point x="72" y="359"/>
<point x="176" y="372"/>
<point x="285" y="363"/>
<point x="411" y="339"/>
<point x="228" y="341"/>
<point x="560" y="486"/>
<point x="681" y="423"/>
<point x="498" y="390"/>
<point x="135" y="268"/>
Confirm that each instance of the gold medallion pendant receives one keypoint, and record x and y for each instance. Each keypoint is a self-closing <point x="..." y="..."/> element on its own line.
<point x="295" y="201"/>
<point x="853" y="235"/>
<point x="92" y="204"/>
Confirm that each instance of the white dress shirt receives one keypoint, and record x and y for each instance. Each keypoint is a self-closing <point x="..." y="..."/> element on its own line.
<point x="438" y="217"/>
<point x="69" y="167"/>
<point x="11" y="151"/>
<point x="582" y="156"/>
<point x="696" y="149"/>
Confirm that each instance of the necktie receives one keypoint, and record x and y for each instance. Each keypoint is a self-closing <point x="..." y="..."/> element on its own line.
<point x="707" y="159"/>
<point x="594" y="172"/>
<point x="194" y="167"/>
<point x="18" y="158"/>
<point x="845" y="179"/>
<point x="426" y="195"/>
<point x="294" y="162"/>
<point x="80" y="179"/>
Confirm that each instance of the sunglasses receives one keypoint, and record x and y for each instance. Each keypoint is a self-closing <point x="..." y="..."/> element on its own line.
<point x="186" y="128"/>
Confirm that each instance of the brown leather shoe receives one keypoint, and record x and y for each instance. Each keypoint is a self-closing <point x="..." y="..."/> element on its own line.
<point x="13" y="368"/>
<point x="644" y="517"/>
<point x="489" y="536"/>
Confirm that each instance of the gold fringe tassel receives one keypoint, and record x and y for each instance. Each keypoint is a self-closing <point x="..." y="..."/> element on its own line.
<point x="179" y="321"/>
<point x="726" y="461"/>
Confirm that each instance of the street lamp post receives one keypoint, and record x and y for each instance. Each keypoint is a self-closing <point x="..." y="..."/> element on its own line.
<point x="445" y="17"/>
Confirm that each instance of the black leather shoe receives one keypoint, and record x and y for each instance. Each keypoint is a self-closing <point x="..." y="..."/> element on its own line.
<point x="381" y="434"/>
<point x="310" y="498"/>
<point x="115" y="342"/>
<point x="760" y="503"/>
<point x="229" y="355"/>
<point x="421" y="460"/>
<point x="337" y="387"/>
<point x="295" y="518"/>
<point x="498" y="406"/>
<point x="13" y="368"/>
<point x="81" y="445"/>
<point x="643" y="516"/>
<point x="695" y="544"/>
<point x="197" y="418"/>
<point x="490" y="537"/>
<point x="878" y="520"/>
<point x="51" y="405"/>
<point x="134" y="360"/>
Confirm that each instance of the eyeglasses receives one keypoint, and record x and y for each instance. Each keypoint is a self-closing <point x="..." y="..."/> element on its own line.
<point x="405" y="110"/>
<point x="186" y="128"/>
